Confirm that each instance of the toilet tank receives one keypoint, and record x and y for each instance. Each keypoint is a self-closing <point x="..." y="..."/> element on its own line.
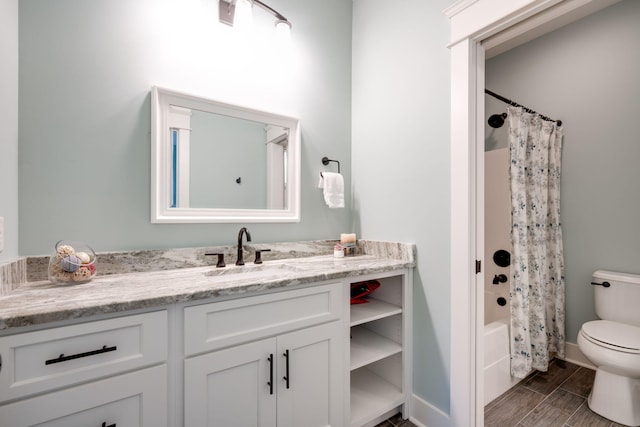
<point x="619" y="302"/>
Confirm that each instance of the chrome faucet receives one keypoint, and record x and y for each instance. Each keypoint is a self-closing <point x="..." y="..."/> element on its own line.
<point x="240" y="260"/>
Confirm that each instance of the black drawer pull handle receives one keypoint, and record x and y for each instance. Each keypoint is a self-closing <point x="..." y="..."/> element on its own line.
<point x="64" y="358"/>
<point x="270" y="382"/>
<point x="286" y="359"/>
<point x="605" y="284"/>
<point x="105" y="425"/>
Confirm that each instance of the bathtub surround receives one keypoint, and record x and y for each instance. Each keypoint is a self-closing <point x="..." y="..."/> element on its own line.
<point x="497" y="234"/>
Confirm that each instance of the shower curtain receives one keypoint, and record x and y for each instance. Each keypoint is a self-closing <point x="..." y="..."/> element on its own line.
<point x="537" y="282"/>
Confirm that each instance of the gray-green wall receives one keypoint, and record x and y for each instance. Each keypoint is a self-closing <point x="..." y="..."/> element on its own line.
<point x="587" y="75"/>
<point x="9" y="126"/>
<point x="86" y="69"/>
<point x="400" y="146"/>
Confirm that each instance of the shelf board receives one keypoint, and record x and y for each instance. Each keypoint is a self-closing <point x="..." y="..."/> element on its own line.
<point x="371" y="396"/>
<point x="372" y="310"/>
<point x="368" y="347"/>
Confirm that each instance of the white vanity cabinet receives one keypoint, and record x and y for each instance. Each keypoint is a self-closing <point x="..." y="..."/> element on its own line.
<point x="105" y="373"/>
<point x="380" y="351"/>
<point x="262" y="356"/>
<point x="269" y="360"/>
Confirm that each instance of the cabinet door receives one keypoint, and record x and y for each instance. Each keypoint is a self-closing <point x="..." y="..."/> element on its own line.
<point x="137" y="399"/>
<point x="310" y="390"/>
<point x="231" y="388"/>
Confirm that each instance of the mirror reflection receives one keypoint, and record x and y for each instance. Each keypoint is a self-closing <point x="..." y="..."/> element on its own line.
<point x="231" y="162"/>
<point x="216" y="162"/>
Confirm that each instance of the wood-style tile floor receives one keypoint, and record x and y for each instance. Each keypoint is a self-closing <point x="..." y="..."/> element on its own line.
<point x="396" y="421"/>
<point x="556" y="398"/>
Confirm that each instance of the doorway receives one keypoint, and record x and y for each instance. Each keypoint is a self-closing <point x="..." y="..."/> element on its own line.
<point x="477" y="27"/>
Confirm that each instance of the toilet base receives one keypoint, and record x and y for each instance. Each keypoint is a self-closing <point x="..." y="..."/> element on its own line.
<point x="616" y="397"/>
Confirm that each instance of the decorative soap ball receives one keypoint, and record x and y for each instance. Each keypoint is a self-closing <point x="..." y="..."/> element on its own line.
<point x="65" y="250"/>
<point x="91" y="267"/>
<point x="81" y="274"/>
<point x="72" y="262"/>
<point x="84" y="257"/>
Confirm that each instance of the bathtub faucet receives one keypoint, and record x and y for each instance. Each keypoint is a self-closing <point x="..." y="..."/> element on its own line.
<point x="499" y="279"/>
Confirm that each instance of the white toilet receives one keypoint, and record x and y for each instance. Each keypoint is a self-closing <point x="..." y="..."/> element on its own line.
<point x="613" y="345"/>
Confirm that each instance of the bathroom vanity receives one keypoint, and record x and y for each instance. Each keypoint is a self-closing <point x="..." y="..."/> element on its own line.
<point x="276" y="344"/>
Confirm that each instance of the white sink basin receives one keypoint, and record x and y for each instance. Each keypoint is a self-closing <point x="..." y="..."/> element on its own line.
<point x="250" y="272"/>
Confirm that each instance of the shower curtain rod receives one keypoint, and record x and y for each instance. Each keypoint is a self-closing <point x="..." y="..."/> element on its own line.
<point x="515" y="104"/>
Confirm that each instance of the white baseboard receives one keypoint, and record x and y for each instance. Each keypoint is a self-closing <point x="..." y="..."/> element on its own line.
<point x="574" y="355"/>
<point x="424" y="414"/>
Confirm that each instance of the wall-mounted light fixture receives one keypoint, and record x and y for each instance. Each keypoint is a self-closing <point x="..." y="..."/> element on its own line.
<point x="227" y="13"/>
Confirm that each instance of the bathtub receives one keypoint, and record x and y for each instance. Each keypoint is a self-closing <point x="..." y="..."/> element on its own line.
<point x="497" y="361"/>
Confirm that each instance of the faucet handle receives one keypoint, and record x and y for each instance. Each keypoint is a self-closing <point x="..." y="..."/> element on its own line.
<point x="220" y="262"/>
<point x="499" y="278"/>
<point x="259" y="255"/>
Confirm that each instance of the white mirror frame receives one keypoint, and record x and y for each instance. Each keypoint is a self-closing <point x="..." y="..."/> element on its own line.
<point x="161" y="99"/>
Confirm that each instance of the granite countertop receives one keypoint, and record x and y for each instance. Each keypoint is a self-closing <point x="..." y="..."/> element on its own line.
<point x="41" y="302"/>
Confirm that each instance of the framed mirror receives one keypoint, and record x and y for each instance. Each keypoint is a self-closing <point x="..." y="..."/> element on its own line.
<point x="217" y="162"/>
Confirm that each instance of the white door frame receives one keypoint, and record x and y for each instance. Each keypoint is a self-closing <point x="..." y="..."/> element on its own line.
<point x="473" y="21"/>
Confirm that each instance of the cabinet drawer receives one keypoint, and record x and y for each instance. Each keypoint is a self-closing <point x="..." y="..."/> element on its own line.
<point x="38" y="361"/>
<point x="221" y="324"/>
<point x="138" y="399"/>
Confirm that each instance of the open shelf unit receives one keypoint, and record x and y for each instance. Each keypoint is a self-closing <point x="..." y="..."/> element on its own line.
<point x="368" y="347"/>
<point x="378" y="352"/>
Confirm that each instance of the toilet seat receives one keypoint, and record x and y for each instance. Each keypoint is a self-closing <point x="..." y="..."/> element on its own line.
<point x="613" y="335"/>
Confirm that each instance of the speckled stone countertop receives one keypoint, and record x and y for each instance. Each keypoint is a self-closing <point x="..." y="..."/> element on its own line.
<point x="40" y="302"/>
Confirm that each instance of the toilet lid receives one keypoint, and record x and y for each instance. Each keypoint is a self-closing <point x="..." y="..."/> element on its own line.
<point x="618" y="336"/>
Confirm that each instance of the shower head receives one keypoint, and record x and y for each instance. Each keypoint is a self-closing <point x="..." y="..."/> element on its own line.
<point x="497" y="120"/>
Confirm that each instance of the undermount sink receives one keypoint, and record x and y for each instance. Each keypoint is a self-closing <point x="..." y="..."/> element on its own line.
<point x="251" y="272"/>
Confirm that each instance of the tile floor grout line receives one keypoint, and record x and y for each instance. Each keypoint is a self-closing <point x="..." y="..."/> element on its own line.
<point x="546" y="396"/>
<point x="577" y="409"/>
<point x="577" y="385"/>
<point x="532" y="409"/>
<point x="572" y="392"/>
<point x="569" y="377"/>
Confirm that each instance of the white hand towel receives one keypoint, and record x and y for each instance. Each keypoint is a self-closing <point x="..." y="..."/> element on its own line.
<point x="332" y="185"/>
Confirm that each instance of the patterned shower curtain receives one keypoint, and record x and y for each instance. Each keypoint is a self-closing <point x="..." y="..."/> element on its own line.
<point x="537" y="282"/>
